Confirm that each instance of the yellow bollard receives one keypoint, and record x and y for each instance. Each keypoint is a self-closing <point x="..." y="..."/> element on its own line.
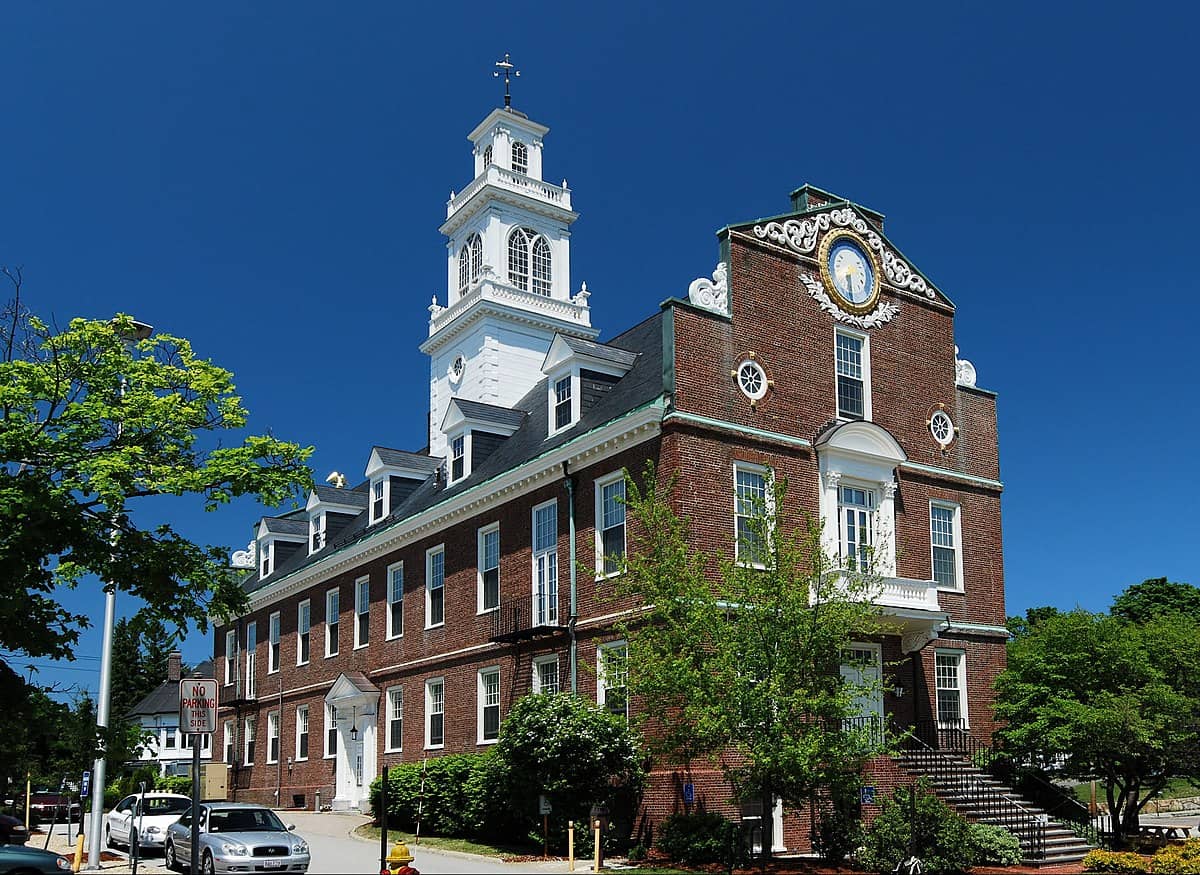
<point x="596" y="863"/>
<point x="570" y="846"/>
<point x="75" y="866"/>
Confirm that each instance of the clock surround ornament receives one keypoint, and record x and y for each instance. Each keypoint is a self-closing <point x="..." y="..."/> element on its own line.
<point x="850" y="271"/>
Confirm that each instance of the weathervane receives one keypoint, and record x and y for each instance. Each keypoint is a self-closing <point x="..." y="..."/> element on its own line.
<point x="509" y="69"/>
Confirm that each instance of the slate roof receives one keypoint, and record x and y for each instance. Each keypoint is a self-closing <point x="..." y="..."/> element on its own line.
<point x="402" y="459"/>
<point x="345" y="497"/>
<point x="602" y="351"/>
<point x="286" y="526"/>
<point x="641" y="345"/>
<point x="164" y="699"/>
<point x="489" y="412"/>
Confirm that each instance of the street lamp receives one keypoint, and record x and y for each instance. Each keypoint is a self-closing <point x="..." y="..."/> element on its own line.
<point x="140" y="331"/>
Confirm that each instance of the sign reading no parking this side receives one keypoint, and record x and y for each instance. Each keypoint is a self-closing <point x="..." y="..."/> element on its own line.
<point x="197" y="705"/>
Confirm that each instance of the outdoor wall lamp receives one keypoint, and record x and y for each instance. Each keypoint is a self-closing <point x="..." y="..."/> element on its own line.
<point x="289" y="765"/>
<point x="354" y="733"/>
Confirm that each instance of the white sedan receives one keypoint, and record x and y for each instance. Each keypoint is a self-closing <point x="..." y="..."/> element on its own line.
<point x="151" y="813"/>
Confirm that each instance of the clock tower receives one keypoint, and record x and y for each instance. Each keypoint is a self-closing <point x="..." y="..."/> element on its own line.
<point x="508" y="274"/>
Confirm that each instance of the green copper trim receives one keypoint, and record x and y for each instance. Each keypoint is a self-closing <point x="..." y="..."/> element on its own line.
<point x="740" y="429"/>
<point x="668" y="356"/>
<point x="946" y="472"/>
<point x="979" y="628"/>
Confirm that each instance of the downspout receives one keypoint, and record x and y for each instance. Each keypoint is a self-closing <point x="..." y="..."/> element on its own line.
<point x="569" y="482"/>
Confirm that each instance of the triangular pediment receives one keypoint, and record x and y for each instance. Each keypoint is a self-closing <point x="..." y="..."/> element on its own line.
<point x="352" y="689"/>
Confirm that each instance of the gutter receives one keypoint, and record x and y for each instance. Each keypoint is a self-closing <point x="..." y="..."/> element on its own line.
<point x="569" y="482"/>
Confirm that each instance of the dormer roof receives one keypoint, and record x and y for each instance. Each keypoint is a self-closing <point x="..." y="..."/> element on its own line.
<point x="588" y="354"/>
<point x="463" y="413"/>
<point x="412" y="466"/>
<point x="283" y="527"/>
<point x="342" y="500"/>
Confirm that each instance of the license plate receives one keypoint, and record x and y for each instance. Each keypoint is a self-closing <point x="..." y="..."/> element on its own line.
<point x="273" y="864"/>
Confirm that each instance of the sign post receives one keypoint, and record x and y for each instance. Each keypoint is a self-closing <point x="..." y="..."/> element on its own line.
<point x="197" y="716"/>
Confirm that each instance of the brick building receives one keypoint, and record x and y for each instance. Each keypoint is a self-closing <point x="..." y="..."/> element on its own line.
<point x="400" y="618"/>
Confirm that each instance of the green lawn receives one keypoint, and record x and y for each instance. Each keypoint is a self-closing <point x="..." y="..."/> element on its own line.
<point x="1175" y="789"/>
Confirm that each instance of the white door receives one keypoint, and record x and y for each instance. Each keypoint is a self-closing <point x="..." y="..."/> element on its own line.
<point x="355" y="764"/>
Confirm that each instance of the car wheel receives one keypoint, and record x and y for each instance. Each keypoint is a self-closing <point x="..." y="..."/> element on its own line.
<point x="108" y="842"/>
<point x="207" y="864"/>
<point x="169" y="856"/>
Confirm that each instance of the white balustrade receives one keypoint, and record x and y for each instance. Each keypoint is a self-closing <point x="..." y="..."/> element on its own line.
<point x="502" y="293"/>
<point x="515" y="182"/>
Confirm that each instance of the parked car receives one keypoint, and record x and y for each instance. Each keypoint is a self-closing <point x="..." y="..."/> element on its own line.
<point x="47" y="805"/>
<point x="151" y="813"/>
<point x="15" y="858"/>
<point x="237" y="837"/>
<point x="12" y="830"/>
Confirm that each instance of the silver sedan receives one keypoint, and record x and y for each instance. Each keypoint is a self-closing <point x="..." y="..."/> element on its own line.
<point x="237" y="837"/>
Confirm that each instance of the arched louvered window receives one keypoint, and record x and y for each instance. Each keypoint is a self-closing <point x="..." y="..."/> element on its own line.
<point x="487" y="157"/>
<point x="518" y="258"/>
<point x="520" y="157"/>
<point x="470" y="262"/>
<point x="541" y="266"/>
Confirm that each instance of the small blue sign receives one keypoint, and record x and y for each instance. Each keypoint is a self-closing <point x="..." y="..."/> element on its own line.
<point x="866" y="795"/>
<point x="689" y="793"/>
<point x="85" y="785"/>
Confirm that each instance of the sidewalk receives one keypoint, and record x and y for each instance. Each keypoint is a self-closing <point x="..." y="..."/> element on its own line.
<point x="114" y="862"/>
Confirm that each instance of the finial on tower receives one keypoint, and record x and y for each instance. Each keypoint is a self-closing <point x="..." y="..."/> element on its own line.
<point x="509" y="69"/>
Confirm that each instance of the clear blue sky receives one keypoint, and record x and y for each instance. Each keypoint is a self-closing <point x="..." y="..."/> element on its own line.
<point x="268" y="179"/>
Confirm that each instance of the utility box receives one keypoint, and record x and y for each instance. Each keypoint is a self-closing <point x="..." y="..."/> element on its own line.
<point x="214" y="782"/>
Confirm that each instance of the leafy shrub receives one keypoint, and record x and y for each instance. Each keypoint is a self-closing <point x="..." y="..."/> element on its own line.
<point x="174" y="784"/>
<point x="938" y="836"/>
<point x="1181" y="859"/>
<point x="994" y="846"/>
<point x="1120" y="862"/>
<point x="700" y="838"/>
<point x="839" y="833"/>
<point x="450" y="804"/>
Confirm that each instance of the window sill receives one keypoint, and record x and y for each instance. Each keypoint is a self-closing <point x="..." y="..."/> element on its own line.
<point x="958" y="589"/>
<point x="435" y="746"/>
<point x="272" y="762"/>
<point x="329" y="756"/>
<point x="600" y="575"/>
<point x="298" y="664"/>
<point x="485" y="742"/>
<point x="482" y="611"/>
<point x="272" y="671"/>
<point x="331" y="655"/>
<point x="362" y="646"/>
<point x="300" y="760"/>
<point x="435" y="625"/>
<point x="393" y="750"/>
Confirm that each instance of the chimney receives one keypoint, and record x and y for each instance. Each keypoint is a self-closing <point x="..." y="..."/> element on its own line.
<point x="174" y="666"/>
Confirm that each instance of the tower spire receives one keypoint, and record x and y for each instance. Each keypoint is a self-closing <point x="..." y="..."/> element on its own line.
<point x="510" y="70"/>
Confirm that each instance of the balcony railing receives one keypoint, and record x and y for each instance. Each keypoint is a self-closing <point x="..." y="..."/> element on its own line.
<point x="900" y="592"/>
<point x="519" y="183"/>
<point x="515" y="621"/>
<point x="511" y="296"/>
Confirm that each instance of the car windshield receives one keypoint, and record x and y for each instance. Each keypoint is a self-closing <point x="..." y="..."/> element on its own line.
<point x="152" y="806"/>
<point x="244" y="820"/>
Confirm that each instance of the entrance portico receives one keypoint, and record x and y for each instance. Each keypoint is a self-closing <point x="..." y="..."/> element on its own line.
<point x="354" y="703"/>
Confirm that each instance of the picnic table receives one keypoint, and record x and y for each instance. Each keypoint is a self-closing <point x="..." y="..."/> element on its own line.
<point x="1163" y="833"/>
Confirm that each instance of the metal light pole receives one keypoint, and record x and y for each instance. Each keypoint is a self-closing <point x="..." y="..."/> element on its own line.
<point x="140" y="332"/>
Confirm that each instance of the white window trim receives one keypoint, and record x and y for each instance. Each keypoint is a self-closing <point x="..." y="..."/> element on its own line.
<point x="316" y="526"/>
<point x="429" y="683"/>
<point x="479" y="569"/>
<point x="386" y="482"/>
<point x="266" y="559"/>
<point x="307" y="722"/>
<point x="390" y="714"/>
<point x="359" y="584"/>
<point x="465" y="434"/>
<point x="429" y="554"/>
<point x="251" y="660"/>
<point x="391" y="631"/>
<point x="274" y="642"/>
<point x="601" y="482"/>
<point x="866" y="372"/>
<point x="551" y="603"/>
<point x="278" y="736"/>
<point x="552" y="398"/>
<point x="768" y="476"/>
<point x="538" y="661"/>
<point x="601" y="679"/>
<point x="301" y="632"/>
<point x="231" y="657"/>
<point x="956" y="510"/>
<point x="963" y="703"/>
<point x="330" y="722"/>
<point x="227" y="741"/>
<point x="480" y="693"/>
<point x="330" y="594"/>
<point x="249" y="734"/>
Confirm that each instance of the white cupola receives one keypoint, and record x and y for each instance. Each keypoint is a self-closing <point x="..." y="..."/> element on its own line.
<point x="508" y="277"/>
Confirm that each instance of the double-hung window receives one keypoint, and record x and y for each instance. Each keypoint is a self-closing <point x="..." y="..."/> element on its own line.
<point x="395" y="719"/>
<point x="751" y="512"/>
<point x="488" y="709"/>
<point x="545" y="564"/>
<point x="227" y="747"/>
<point x="230" y="657"/>
<point x="301" y="732"/>
<point x="274" y="643"/>
<point x="330" y="731"/>
<point x="248" y="733"/>
<point x="435" y="586"/>
<point x="317" y="530"/>
<point x="458" y="453"/>
<point x="395" y="611"/>
<point x="610" y="524"/>
<point x="612" y="669"/>
<point x="251" y="646"/>
<point x="265" y="559"/>
<point x="853" y="375"/>
<point x="545" y="674"/>
<point x="945" y="536"/>
<point x="273" y="736"/>
<point x="856" y="514"/>
<point x="362" y="612"/>
<point x="378" y="502"/>
<point x="950" y="674"/>
<point x="332" y="612"/>
<point x="562" y="403"/>
<point x="489" y="568"/>
<point x="435" y="712"/>
<point x="303" y="631"/>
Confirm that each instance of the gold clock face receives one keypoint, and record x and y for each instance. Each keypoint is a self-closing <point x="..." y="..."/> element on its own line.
<point x="850" y="271"/>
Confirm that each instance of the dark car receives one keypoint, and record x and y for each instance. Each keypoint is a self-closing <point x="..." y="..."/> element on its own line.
<point x="14" y="858"/>
<point x="12" y="830"/>
<point x="47" y="805"/>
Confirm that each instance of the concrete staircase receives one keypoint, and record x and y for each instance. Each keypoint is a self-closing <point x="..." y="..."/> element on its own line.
<point x="978" y="796"/>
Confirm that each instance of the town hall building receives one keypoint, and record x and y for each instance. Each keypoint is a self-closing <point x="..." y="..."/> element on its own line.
<point x="400" y="614"/>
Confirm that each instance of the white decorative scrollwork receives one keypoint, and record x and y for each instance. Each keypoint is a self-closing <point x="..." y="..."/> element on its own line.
<point x="801" y="235"/>
<point x="883" y="313"/>
<point x="911" y="642"/>
<point x="964" y="371"/>
<point x="712" y="294"/>
<point x="246" y="558"/>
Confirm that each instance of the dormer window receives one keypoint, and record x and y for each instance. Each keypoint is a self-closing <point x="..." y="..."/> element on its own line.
<point x="562" y="403"/>
<point x="378" y="499"/>
<point x="470" y="263"/>
<point x="266" y="561"/>
<point x="520" y="157"/>
<point x="458" y="452"/>
<point x="581" y="373"/>
<point x="316" y="528"/>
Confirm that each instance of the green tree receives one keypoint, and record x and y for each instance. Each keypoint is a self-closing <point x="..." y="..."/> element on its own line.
<point x="141" y="647"/>
<point x="94" y="426"/>
<point x="1097" y="696"/>
<point x="1157" y="597"/>
<point x="743" y="666"/>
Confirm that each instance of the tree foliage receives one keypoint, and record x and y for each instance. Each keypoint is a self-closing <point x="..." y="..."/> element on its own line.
<point x="1157" y="597"/>
<point x="742" y="666"/>
<point x="94" y="427"/>
<point x="1097" y="696"/>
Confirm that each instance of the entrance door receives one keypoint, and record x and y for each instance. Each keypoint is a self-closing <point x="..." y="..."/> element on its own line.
<point x="862" y="668"/>
<point x="355" y="766"/>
